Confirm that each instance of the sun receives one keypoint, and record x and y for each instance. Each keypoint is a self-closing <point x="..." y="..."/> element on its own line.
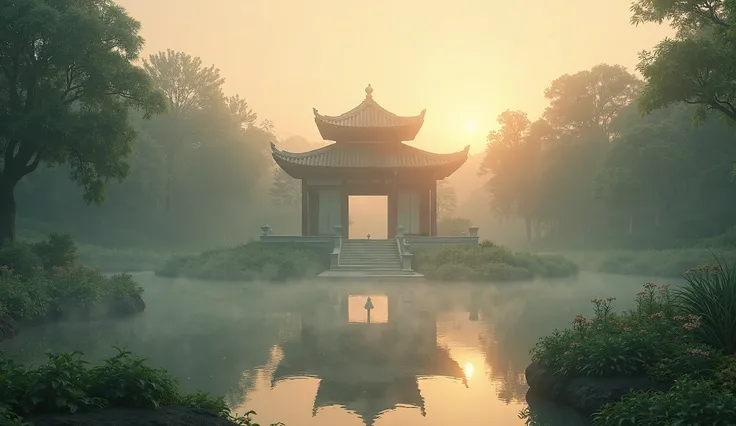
<point x="470" y="127"/>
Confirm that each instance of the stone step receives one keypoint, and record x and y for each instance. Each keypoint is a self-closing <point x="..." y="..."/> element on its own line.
<point x="366" y="268"/>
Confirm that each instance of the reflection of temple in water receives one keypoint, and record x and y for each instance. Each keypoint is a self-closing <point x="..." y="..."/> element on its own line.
<point x="368" y="352"/>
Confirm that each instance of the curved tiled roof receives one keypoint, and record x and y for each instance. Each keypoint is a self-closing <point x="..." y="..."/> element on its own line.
<point x="369" y="155"/>
<point x="368" y="121"/>
<point x="369" y="114"/>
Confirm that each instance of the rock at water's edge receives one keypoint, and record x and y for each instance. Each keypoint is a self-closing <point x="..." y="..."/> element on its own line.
<point x="169" y="416"/>
<point x="127" y="306"/>
<point x="586" y="394"/>
<point x="8" y="328"/>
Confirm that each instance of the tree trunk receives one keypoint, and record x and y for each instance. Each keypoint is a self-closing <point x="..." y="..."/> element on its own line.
<point x="7" y="211"/>
<point x="528" y="222"/>
<point x="631" y="224"/>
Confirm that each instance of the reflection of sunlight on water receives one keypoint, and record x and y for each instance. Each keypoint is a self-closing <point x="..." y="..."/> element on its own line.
<point x="469" y="369"/>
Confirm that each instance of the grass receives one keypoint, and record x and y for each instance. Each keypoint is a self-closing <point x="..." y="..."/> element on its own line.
<point x="68" y="384"/>
<point x="254" y="261"/>
<point x="123" y="259"/>
<point x="489" y="262"/>
<point x="653" y="263"/>
<point x="684" y="337"/>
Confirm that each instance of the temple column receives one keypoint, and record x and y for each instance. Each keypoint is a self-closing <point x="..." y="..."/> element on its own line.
<point x="305" y="209"/>
<point x="392" y="221"/>
<point x="433" y="212"/>
<point x="313" y="206"/>
<point x="345" y="210"/>
<point x="424" y="210"/>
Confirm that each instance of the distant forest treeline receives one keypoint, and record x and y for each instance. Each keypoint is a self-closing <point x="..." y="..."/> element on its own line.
<point x="592" y="172"/>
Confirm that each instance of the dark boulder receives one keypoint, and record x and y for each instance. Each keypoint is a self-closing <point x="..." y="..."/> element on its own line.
<point x="166" y="416"/>
<point x="8" y="328"/>
<point x="127" y="306"/>
<point x="586" y="394"/>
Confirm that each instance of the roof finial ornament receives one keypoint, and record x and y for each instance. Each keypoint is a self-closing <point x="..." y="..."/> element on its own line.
<point x="369" y="92"/>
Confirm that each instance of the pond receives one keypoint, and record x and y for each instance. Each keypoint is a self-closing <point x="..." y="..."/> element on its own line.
<point x="308" y="354"/>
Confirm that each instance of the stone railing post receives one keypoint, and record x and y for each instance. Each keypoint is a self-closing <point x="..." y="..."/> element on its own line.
<point x="473" y="230"/>
<point x="403" y="244"/>
<point x="337" y="245"/>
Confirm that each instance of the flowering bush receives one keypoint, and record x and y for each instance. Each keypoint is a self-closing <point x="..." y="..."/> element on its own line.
<point x="626" y="344"/>
<point x="680" y="337"/>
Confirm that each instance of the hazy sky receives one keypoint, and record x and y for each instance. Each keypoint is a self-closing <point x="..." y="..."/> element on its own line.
<point x="465" y="61"/>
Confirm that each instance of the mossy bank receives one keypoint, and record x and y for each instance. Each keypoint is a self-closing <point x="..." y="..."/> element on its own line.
<point x="489" y="262"/>
<point x="254" y="261"/>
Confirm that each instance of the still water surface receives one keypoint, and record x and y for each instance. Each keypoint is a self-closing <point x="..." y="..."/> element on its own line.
<point x="306" y="354"/>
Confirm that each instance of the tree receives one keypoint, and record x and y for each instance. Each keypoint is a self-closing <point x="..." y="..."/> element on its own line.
<point x="695" y="67"/>
<point x="67" y="82"/>
<point x="512" y="164"/>
<point x="591" y="99"/>
<point x="446" y="199"/>
<point x="285" y="190"/>
<point x="194" y="95"/>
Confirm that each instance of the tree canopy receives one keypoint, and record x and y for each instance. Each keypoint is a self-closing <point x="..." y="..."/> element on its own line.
<point x="67" y="83"/>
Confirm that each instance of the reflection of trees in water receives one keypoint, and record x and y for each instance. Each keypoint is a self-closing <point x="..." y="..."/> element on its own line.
<point x="504" y="370"/>
<point x="220" y="360"/>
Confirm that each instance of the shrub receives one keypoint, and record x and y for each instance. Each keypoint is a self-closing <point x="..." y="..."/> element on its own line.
<point x="688" y="402"/>
<point x="67" y="384"/>
<point x="57" y="250"/>
<point x="489" y="262"/>
<point x="252" y="261"/>
<point x="20" y="257"/>
<point x="726" y="374"/>
<point x="41" y="279"/>
<point x="627" y="344"/>
<point x="710" y="293"/>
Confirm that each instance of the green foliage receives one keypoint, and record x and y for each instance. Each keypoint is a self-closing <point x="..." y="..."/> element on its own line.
<point x="252" y="261"/>
<point x="651" y="338"/>
<point x="68" y="384"/>
<point x="695" y="66"/>
<point x="56" y="250"/>
<point x="689" y="402"/>
<point x="662" y="337"/>
<point x="710" y="293"/>
<point x="726" y="373"/>
<point x="489" y="262"/>
<point x="70" y="103"/>
<point x="40" y="280"/>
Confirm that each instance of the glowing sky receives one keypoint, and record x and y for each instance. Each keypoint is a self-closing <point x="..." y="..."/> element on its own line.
<point x="465" y="61"/>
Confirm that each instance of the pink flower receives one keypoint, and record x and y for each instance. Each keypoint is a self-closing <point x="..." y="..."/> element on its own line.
<point x="698" y="352"/>
<point x="580" y="320"/>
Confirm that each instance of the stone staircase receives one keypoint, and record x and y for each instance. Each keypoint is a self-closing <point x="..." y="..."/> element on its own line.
<point x="380" y="256"/>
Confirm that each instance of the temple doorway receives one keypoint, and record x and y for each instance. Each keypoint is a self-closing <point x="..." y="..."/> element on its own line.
<point x="368" y="214"/>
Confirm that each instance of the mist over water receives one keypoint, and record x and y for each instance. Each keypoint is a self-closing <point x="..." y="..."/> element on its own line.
<point x="232" y="339"/>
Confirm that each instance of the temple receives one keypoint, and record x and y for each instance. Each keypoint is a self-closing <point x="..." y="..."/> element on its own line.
<point x="368" y="352"/>
<point x="369" y="157"/>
